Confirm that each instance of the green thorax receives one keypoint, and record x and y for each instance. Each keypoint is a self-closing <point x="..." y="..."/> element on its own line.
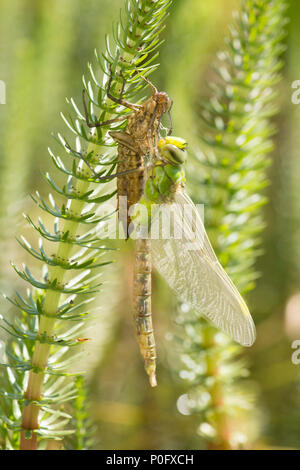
<point x="168" y="173"/>
<point x="162" y="182"/>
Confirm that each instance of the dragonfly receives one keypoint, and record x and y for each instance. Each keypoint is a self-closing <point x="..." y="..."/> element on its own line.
<point x="184" y="256"/>
<point x="150" y="175"/>
<point x="137" y="147"/>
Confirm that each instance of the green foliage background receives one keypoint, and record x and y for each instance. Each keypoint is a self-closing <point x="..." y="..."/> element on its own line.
<point x="44" y="48"/>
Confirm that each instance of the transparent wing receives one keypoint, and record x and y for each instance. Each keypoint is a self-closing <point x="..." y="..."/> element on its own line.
<point x="185" y="258"/>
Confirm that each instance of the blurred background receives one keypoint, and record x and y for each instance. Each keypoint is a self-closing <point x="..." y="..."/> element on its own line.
<point x="44" y="50"/>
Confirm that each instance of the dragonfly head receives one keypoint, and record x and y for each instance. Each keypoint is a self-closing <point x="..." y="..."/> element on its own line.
<point x="163" y="101"/>
<point x="172" y="149"/>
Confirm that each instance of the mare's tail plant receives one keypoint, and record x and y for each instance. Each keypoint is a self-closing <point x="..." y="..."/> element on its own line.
<point x="37" y="375"/>
<point x="236" y="133"/>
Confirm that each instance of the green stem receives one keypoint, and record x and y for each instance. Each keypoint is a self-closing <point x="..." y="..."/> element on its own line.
<point x="46" y="328"/>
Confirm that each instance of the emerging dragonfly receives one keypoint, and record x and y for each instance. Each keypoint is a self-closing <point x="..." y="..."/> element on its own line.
<point x="151" y="175"/>
<point x="137" y="147"/>
<point x="184" y="256"/>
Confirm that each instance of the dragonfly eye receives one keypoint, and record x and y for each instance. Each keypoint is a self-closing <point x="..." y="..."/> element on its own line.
<point x="174" y="154"/>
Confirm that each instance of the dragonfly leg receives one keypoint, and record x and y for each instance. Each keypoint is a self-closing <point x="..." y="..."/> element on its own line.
<point x="80" y="155"/>
<point x="170" y="131"/>
<point x="108" y="177"/>
<point x="120" y="100"/>
<point x="98" y="123"/>
<point x="152" y="118"/>
<point x="120" y="173"/>
<point x="153" y="88"/>
<point x="123" y="84"/>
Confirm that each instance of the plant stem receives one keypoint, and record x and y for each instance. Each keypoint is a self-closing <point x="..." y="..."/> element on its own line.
<point x="46" y="328"/>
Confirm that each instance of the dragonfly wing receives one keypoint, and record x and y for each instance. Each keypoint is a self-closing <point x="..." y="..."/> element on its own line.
<point x="189" y="265"/>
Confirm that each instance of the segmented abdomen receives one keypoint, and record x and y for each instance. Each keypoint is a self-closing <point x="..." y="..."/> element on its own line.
<point x="130" y="186"/>
<point x="142" y="307"/>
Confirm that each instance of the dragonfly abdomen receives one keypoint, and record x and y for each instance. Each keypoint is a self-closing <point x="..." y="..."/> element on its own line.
<point x="142" y="307"/>
<point x="129" y="186"/>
